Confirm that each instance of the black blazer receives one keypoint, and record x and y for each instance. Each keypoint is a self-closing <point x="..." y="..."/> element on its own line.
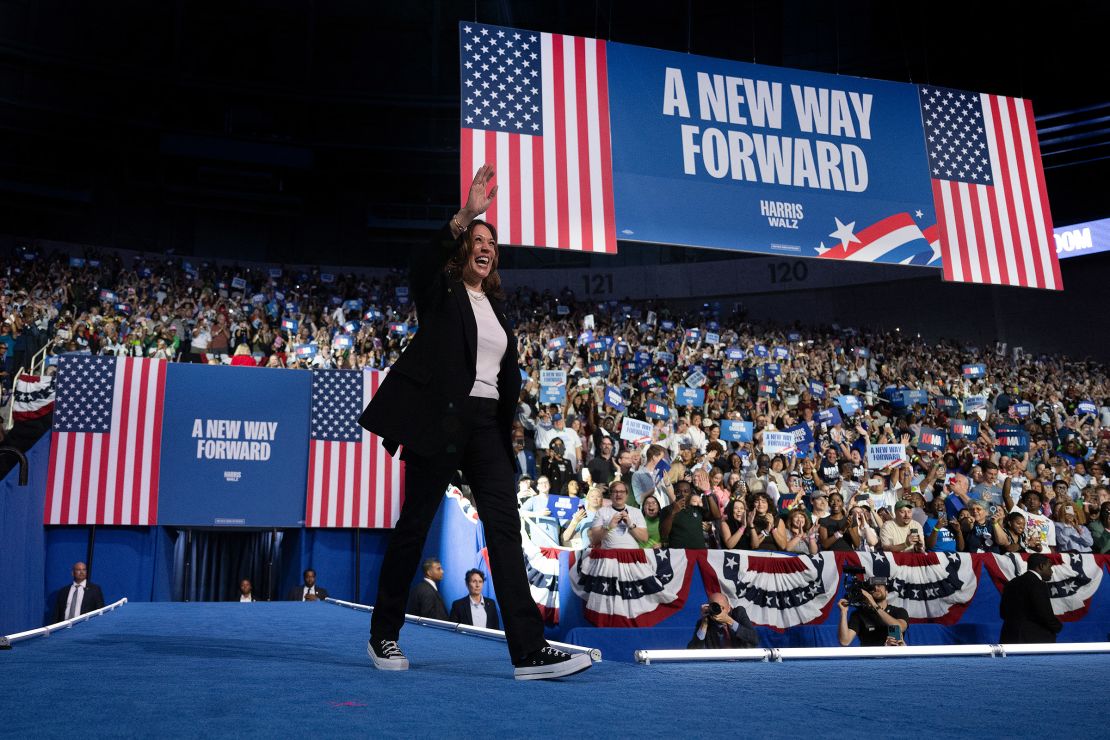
<point x="94" y="599"/>
<point x="425" y="601"/>
<point x="717" y="636"/>
<point x="297" y="593"/>
<point x="421" y="404"/>
<point x="460" y="613"/>
<point x="1026" y="611"/>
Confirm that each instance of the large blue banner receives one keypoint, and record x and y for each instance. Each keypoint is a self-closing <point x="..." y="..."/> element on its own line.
<point x="234" y="446"/>
<point x="766" y="159"/>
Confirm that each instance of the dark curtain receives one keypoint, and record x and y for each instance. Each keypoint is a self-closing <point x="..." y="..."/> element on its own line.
<point x="218" y="560"/>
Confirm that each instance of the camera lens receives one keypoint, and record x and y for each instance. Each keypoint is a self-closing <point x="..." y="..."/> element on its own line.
<point x="714" y="608"/>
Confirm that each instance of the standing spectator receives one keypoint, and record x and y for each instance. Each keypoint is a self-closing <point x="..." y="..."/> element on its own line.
<point x="794" y="533"/>
<point x="603" y="468"/>
<point x="902" y="534"/>
<point x="834" y="527"/>
<point x="618" y="525"/>
<point x="1071" y="536"/>
<point x="576" y="532"/>
<point x="940" y="535"/>
<point x="79" y="597"/>
<point x="651" y="512"/>
<point x="1100" y="530"/>
<point x="424" y="598"/>
<point x="682" y="524"/>
<point x="734" y="524"/>
<point x="1026" y="606"/>
<point x="645" y="481"/>
<point x="556" y="467"/>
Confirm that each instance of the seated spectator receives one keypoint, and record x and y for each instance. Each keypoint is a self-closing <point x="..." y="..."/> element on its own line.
<point x="984" y="533"/>
<point x="723" y="627"/>
<point x="1071" y="536"/>
<point x="794" y="533"/>
<point x="475" y="609"/>
<point x="941" y="535"/>
<point x="424" y="598"/>
<point x="651" y="512"/>
<point x="833" y="528"/>
<point x="1100" y="530"/>
<point x="242" y="357"/>
<point x="683" y="524"/>
<point x="309" y="590"/>
<point x="246" y="591"/>
<point x="734" y="524"/>
<point x="902" y="534"/>
<point x="618" y="525"/>
<point x="576" y="533"/>
<point x="78" y="597"/>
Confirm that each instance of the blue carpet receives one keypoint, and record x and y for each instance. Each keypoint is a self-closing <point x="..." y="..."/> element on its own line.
<point x="286" y="669"/>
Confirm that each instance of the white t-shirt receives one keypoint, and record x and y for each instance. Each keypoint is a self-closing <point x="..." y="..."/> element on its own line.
<point x="492" y="342"/>
<point x="619" y="537"/>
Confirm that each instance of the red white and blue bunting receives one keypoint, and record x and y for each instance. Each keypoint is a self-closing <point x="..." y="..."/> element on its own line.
<point x="630" y="588"/>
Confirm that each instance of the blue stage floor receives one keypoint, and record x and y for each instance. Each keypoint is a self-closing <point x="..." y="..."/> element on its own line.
<point x="220" y="670"/>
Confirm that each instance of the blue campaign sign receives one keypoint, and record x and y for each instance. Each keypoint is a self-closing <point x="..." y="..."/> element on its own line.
<point x="816" y="389"/>
<point x="768" y="388"/>
<point x="915" y="397"/>
<point x="772" y="370"/>
<point x="614" y="398"/>
<point x="803" y="437"/>
<point x="1083" y="408"/>
<point x="642" y="359"/>
<point x="736" y="431"/>
<point x="973" y="372"/>
<point x="849" y="404"/>
<point x="666" y="357"/>
<point x="760" y="350"/>
<point x="830" y="416"/>
<point x="1024" y="409"/>
<point x="964" y="428"/>
<point x="931" y="439"/>
<point x="684" y="396"/>
<point x="553" y="394"/>
<point x="234" y="446"/>
<point x="666" y="325"/>
<point x="771" y="160"/>
<point x="734" y="353"/>
<point x="656" y="409"/>
<point x="598" y="369"/>
<point x="948" y="404"/>
<point x="1013" y="442"/>
<point x="975" y="403"/>
<point x="780" y="353"/>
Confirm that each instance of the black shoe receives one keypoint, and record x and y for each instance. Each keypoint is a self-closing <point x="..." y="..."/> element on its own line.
<point x="387" y="656"/>
<point x="550" y="663"/>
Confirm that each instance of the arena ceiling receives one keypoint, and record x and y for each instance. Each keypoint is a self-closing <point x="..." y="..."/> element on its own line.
<point x="278" y="129"/>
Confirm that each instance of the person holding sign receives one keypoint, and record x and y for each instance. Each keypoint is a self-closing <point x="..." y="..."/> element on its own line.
<point x="449" y="400"/>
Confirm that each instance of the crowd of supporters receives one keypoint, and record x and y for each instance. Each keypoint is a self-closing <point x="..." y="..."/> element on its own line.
<point x="975" y="489"/>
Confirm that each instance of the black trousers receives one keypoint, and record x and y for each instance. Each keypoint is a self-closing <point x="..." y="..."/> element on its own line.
<point x="489" y="472"/>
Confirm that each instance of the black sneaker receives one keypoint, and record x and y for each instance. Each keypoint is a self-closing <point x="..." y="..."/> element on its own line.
<point x="550" y="663"/>
<point x="387" y="656"/>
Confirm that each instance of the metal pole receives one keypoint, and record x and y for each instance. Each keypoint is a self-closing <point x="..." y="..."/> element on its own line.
<point x="188" y="563"/>
<point x="358" y="561"/>
<point x="270" y="567"/>
<point x="89" y="551"/>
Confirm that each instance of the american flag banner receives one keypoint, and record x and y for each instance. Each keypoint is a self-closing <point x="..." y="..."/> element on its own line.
<point x="106" y="447"/>
<point x="536" y="107"/>
<point x="34" y="397"/>
<point x="352" y="480"/>
<point x="989" y="189"/>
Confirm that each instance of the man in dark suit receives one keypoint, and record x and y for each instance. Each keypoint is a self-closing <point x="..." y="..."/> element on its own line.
<point x="424" y="598"/>
<point x="1026" y="606"/>
<point x="474" y="609"/>
<point x="722" y="627"/>
<point x="524" y="462"/>
<point x="79" y="597"/>
<point x="309" y="590"/>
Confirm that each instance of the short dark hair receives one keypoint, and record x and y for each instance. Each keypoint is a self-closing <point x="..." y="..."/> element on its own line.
<point x="1037" y="559"/>
<point x="307" y="571"/>
<point x="427" y="564"/>
<point x="474" y="572"/>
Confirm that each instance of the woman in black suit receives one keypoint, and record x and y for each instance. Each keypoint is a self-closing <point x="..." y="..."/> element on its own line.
<point x="449" y="401"/>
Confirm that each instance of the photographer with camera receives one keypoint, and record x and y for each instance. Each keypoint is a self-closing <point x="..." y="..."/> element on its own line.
<point x="722" y="627"/>
<point x="873" y="620"/>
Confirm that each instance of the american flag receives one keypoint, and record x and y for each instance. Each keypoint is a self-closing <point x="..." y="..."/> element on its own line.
<point x="106" y="447"/>
<point x="989" y="189"/>
<point x="536" y="107"/>
<point x="352" y="480"/>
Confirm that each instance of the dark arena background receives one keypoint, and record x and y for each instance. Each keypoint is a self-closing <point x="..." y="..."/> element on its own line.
<point x="859" y="362"/>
